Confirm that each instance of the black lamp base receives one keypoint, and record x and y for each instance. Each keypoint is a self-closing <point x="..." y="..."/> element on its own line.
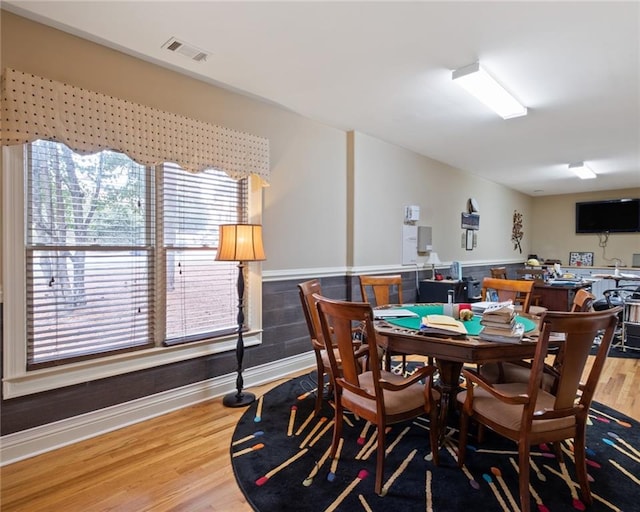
<point x="241" y="400"/>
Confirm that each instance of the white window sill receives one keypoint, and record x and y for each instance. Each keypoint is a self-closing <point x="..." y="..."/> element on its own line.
<point x="36" y="381"/>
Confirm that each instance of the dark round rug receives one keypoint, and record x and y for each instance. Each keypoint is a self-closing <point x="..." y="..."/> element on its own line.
<point x="618" y="350"/>
<point x="280" y="458"/>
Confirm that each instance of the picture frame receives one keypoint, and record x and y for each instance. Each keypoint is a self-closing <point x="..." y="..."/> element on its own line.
<point x="469" y="238"/>
<point x="470" y="221"/>
<point x="580" y="259"/>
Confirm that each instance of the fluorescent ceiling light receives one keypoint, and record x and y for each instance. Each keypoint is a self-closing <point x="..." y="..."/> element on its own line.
<point x="479" y="83"/>
<point x="583" y="172"/>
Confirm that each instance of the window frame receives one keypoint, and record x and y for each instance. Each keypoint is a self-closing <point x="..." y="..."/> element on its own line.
<point x="17" y="381"/>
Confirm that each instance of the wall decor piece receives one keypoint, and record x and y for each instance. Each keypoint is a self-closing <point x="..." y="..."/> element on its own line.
<point x="581" y="259"/>
<point x="470" y="221"/>
<point x="516" y="232"/>
<point x="469" y="245"/>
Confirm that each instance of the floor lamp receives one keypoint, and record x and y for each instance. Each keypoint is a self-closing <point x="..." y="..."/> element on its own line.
<point x="241" y="243"/>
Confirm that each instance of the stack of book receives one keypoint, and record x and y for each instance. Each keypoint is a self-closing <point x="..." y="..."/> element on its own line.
<point x="442" y="325"/>
<point x="499" y="324"/>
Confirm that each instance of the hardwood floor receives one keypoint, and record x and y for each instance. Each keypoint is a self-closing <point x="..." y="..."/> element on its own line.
<point x="180" y="461"/>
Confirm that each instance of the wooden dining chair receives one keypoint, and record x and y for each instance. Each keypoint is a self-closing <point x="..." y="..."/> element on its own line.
<point x="379" y="396"/>
<point x="537" y="274"/>
<point x="519" y="371"/>
<point x="380" y="291"/>
<point x="518" y="292"/>
<point x="306" y="290"/>
<point x="509" y="289"/>
<point x="498" y="272"/>
<point x="530" y="273"/>
<point x="529" y="415"/>
<point x="582" y="301"/>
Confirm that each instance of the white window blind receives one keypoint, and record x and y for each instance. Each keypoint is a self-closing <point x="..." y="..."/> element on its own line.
<point x="109" y="243"/>
<point x="89" y="254"/>
<point x="201" y="293"/>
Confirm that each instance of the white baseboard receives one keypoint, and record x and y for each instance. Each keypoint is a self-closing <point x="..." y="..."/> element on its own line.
<point x="34" y="441"/>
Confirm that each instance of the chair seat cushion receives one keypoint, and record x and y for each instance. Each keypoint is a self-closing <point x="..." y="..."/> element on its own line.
<point x="509" y="415"/>
<point x="396" y="402"/>
<point x="325" y="358"/>
<point x="533" y="310"/>
<point x="336" y="352"/>
<point x="512" y="373"/>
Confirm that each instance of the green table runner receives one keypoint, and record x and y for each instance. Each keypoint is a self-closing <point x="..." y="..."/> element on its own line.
<point x="473" y="326"/>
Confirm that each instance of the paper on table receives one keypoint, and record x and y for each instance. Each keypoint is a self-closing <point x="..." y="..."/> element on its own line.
<point x="499" y="308"/>
<point x="393" y="313"/>
<point x="479" y="307"/>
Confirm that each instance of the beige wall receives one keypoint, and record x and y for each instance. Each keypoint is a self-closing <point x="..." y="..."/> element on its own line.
<point x="308" y="159"/>
<point x="387" y="178"/>
<point x="554" y="233"/>
<point x="317" y="215"/>
<point x="305" y="207"/>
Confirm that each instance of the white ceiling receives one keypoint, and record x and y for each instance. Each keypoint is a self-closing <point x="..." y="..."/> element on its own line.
<point x="384" y="69"/>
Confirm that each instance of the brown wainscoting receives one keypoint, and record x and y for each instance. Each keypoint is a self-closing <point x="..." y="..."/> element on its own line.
<point x="285" y="335"/>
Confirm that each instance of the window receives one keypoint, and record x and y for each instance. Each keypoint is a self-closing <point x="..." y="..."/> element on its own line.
<point x="201" y="293"/>
<point x="119" y="257"/>
<point x="89" y="254"/>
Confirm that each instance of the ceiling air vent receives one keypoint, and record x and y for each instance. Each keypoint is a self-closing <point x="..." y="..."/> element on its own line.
<point x="190" y="51"/>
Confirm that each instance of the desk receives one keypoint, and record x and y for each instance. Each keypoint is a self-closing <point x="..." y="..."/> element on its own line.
<point x="556" y="297"/>
<point x="618" y="278"/>
<point x="450" y="353"/>
<point x="431" y="290"/>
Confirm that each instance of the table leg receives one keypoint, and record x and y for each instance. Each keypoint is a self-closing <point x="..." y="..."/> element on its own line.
<point x="449" y="385"/>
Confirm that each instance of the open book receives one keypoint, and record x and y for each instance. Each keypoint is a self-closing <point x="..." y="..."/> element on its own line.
<point x="442" y="324"/>
<point x="500" y="308"/>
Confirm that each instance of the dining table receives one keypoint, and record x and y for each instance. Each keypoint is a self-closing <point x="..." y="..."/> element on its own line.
<point x="617" y="277"/>
<point x="406" y="335"/>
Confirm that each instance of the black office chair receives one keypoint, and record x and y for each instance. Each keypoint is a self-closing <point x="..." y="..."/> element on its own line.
<point x="615" y="297"/>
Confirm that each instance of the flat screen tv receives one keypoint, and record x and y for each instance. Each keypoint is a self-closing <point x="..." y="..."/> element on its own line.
<point x="616" y="216"/>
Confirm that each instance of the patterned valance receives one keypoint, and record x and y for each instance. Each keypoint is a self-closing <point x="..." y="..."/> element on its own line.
<point x="38" y="108"/>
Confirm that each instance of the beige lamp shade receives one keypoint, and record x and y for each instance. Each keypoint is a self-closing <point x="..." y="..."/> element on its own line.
<point x="433" y="259"/>
<point x="240" y="242"/>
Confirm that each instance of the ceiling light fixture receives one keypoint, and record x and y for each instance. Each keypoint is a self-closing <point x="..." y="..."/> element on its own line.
<point x="583" y="172"/>
<point x="484" y="87"/>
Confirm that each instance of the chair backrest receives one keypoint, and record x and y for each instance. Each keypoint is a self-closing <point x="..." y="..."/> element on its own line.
<point x="582" y="301"/>
<point x="531" y="273"/>
<point x="580" y="331"/>
<point x="307" y="289"/>
<point x="380" y="290"/>
<point x="499" y="272"/>
<point x="337" y="318"/>
<point x="509" y="289"/>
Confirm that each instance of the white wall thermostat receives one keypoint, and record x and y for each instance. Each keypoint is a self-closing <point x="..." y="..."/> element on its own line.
<point x="411" y="213"/>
